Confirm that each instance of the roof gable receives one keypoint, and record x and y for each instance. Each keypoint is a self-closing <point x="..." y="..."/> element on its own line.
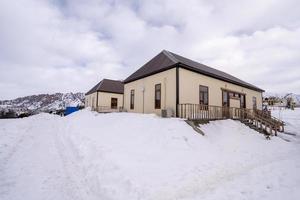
<point x="107" y="85"/>
<point x="160" y="62"/>
<point x="167" y="60"/>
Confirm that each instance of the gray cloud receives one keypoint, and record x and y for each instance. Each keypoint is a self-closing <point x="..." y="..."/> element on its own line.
<point x="64" y="45"/>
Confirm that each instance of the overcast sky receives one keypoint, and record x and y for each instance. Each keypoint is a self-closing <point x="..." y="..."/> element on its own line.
<point x="70" y="45"/>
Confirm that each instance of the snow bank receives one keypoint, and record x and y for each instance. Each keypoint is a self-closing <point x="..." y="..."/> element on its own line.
<point x="88" y="155"/>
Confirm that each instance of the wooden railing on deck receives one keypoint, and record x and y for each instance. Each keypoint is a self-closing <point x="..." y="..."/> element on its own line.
<point x="206" y="112"/>
<point x="107" y="109"/>
<point x="253" y="118"/>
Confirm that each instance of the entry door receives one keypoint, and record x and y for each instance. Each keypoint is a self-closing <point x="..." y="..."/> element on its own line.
<point x="225" y="104"/>
<point x="235" y="103"/>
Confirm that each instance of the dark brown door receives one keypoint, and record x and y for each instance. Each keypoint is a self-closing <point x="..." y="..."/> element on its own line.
<point x="225" y="104"/>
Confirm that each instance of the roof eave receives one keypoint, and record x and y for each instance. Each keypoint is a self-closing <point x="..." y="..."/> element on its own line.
<point x="194" y="70"/>
<point x="110" y="92"/>
<point x="218" y="77"/>
<point x="104" y="91"/>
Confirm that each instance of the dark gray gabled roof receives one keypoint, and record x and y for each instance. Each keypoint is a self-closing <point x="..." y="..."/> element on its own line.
<point x="160" y="62"/>
<point x="167" y="60"/>
<point x="107" y="85"/>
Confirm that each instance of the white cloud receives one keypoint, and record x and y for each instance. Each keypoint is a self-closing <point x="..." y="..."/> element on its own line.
<point x="64" y="45"/>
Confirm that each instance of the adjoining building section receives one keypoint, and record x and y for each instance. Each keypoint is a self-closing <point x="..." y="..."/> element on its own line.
<point x="169" y="80"/>
<point x="174" y="86"/>
<point x="106" y="96"/>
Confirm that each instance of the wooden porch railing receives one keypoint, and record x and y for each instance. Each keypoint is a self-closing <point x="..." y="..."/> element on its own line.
<point x="107" y="109"/>
<point x="206" y="112"/>
<point x="254" y="118"/>
<point x="267" y="114"/>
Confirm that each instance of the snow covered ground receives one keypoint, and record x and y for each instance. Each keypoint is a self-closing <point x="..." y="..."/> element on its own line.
<point x="291" y="117"/>
<point x="133" y="156"/>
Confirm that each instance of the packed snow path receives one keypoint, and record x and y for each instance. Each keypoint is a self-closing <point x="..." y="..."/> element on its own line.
<point x="132" y="156"/>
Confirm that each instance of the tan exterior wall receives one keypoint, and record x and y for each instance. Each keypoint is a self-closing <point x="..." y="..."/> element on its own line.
<point x="90" y="100"/>
<point x="189" y="89"/>
<point x="144" y="90"/>
<point x="104" y="99"/>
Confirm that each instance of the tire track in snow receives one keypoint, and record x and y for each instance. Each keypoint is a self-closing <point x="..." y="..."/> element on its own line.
<point x="79" y="186"/>
<point x="7" y="181"/>
<point x="202" y="185"/>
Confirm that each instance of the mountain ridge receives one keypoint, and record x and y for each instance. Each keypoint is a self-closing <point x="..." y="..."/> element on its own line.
<point x="42" y="103"/>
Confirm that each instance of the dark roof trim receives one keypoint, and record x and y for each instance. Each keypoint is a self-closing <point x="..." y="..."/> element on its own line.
<point x="110" y="92"/>
<point x="170" y="56"/>
<point x="219" y="77"/>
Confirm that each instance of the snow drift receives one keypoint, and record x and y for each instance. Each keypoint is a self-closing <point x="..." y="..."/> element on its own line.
<point x="133" y="156"/>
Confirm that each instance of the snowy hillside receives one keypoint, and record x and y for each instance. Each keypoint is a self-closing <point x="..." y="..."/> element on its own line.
<point x="43" y="102"/>
<point x="132" y="156"/>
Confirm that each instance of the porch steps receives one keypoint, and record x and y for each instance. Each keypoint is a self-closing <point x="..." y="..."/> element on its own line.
<point x="195" y="126"/>
<point x="257" y="120"/>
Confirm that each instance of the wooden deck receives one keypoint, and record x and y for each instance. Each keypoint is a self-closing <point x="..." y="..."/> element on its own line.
<point x="256" y="119"/>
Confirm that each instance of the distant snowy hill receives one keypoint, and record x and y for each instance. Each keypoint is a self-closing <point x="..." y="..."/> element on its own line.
<point x="42" y="103"/>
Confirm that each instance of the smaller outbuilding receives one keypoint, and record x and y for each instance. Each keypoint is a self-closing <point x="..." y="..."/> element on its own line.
<point x="106" y="96"/>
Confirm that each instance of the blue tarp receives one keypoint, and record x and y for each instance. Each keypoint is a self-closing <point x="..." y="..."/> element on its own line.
<point x="70" y="110"/>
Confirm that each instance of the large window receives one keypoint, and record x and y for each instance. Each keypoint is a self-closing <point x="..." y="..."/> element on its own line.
<point x="157" y="97"/>
<point x="203" y="95"/>
<point x="243" y="101"/>
<point x="254" y="102"/>
<point x="114" y="103"/>
<point x="132" y="99"/>
<point x="225" y="99"/>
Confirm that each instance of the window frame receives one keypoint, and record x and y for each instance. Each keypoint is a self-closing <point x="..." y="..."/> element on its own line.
<point x="254" y="102"/>
<point x="111" y="103"/>
<point x="132" y="99"/>
<point x="157" y="102"/>
<point x="203" y="95"/>
<point x="226" y="93"/>
<point x="244" y="100"/>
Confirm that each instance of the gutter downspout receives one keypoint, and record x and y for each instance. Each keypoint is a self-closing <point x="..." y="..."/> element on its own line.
<point x="143" y="91"/>
<point x="123" y="103"/>
<point x="177" y="89"/>
<point x="97" y="102"/>
<point x="165" y="92"/>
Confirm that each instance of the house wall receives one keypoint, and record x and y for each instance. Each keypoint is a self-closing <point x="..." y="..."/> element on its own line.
<point x="144" y="90"/>
<point x="90" y="100"/>
<point x="189" y="89"/>
<point x="104" y="99"/>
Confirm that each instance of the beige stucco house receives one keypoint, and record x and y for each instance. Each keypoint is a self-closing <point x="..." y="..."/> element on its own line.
<point x="106" y="96"/>
<point x="170" y="79"/>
